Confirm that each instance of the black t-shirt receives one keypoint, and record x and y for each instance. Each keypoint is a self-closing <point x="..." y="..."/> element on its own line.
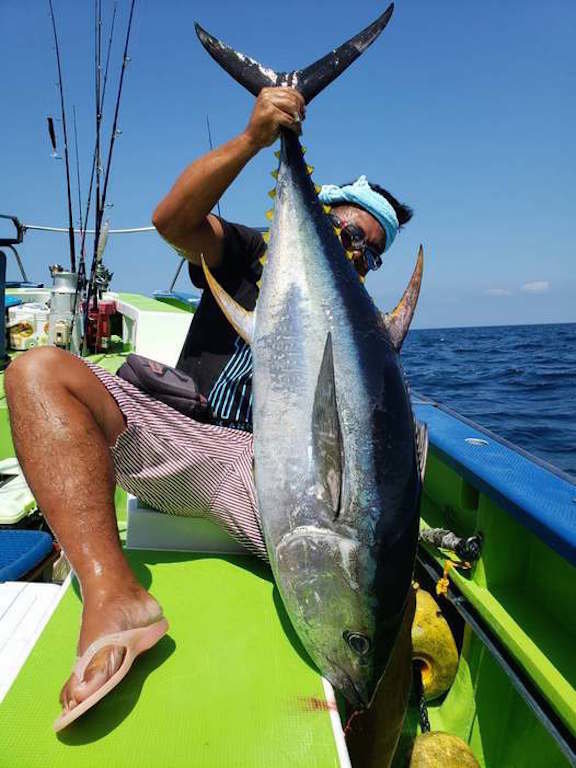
<point x="219" y="361"/>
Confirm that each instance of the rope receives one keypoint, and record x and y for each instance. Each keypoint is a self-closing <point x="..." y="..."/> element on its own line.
<point x="88" y="231"/>
<point x="421" y="701"/>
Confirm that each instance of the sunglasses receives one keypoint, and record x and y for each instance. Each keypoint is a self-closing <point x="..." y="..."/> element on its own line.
<point x="353" y="238"/>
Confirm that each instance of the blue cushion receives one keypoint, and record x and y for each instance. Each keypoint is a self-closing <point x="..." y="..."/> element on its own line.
<point x="21" y="551"/>
<point x="12" y="301"/>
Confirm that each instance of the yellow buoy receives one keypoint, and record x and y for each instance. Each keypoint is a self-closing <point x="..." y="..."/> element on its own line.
<point x="433" y="646"/>
<point x="441" y="750"/>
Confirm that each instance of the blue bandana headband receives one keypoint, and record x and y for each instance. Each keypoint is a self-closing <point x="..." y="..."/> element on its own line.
<point x="361" y="193"/>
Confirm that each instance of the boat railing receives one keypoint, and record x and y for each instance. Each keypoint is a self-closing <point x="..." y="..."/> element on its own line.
<point x="530" y="489"/>
<point x="21" y="229"/>
<point x="12" y="242"/>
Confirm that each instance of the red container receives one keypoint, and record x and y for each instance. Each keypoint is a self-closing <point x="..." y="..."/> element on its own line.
<point x="98" y="330"/>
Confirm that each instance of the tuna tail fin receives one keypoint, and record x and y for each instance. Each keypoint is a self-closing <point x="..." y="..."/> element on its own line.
<point x="309" y="81"/>
<point x="398" y="321"/>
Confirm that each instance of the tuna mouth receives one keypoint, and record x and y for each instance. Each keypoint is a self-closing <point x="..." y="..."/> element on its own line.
<point x="354" y="696"/>
<point x="344" y="684"/>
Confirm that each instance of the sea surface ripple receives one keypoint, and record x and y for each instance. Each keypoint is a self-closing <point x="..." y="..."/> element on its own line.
<point x="518" y="381"/>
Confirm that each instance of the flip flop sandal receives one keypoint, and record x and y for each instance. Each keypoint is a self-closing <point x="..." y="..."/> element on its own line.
<point x="134" y="641"/>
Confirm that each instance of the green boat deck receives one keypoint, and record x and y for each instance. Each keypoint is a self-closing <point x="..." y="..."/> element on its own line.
<point x="228" y="686"/>
<point x="231" y="686"/>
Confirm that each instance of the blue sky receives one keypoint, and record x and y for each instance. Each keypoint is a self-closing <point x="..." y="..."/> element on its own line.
<point x="464" y="110"/>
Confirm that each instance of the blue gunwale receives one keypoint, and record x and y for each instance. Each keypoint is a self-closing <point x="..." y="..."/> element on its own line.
<point x="537" y="494"/>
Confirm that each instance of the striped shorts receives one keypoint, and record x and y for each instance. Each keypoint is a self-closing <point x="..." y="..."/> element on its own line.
<point x="182" y="467"/>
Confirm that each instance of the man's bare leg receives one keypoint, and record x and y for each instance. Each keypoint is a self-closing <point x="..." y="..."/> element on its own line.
<point x="63" y="424"/>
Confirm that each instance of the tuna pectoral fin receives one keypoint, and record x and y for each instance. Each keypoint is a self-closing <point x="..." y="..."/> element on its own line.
<point x="328" y="459"/>
<point x="422" y="447"/>
<point x="398" y="321"/>
<point x="239" y="318"/>
<point x="309" y="81"/>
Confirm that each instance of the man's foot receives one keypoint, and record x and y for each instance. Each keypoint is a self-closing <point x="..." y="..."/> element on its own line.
<point x="104" y="614"/>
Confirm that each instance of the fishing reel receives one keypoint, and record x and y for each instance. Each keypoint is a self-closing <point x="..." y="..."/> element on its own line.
<point x="102" y="279"/>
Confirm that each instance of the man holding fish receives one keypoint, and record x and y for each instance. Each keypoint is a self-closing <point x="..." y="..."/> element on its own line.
<point x="85" y="425"/>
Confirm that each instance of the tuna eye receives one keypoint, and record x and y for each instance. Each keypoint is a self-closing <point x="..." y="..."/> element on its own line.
<point x="360" y="644"/>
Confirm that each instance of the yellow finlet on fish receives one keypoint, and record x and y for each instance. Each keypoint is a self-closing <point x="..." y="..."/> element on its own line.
<point x="270" y="214"/>
<point x="272" y="193"/>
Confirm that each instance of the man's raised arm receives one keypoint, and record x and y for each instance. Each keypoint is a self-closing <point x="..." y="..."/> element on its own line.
<point x="183" y="217"/>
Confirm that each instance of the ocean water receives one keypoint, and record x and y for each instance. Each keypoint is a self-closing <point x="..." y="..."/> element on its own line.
<point x="518" y="381"/>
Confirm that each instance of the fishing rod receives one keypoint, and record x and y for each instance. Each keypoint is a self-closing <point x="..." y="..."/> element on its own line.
<point x="77" y="171"/>
<point x="82" y="254"/>
<point x="115" y="8"/>
<point x="211" y="144"/>
<point x="183" y="258"/>
<point x="100" y="208"/>
<point x="115" y="131"/>
<point x="84" y="227"/>
<point x="97" y="97"/>
<point x="65" y="132"/>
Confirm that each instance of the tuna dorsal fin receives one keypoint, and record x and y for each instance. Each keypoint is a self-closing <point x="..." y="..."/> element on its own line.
<point x="309" y="81"/>
<point x="239" y="318"/>
<point x="326" y="436"/>
<point x="422" y="447"/>
<point x="398" y="321"/>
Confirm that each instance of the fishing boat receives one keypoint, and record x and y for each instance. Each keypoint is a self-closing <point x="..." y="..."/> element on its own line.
<point x="231" y="685"/>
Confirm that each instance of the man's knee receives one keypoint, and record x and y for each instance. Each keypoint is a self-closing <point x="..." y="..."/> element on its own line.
<point x="62" y="376"/>
<point x="36" y="367"/>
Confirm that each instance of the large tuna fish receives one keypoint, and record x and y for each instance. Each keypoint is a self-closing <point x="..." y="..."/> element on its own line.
<point x="336" y="466"/>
